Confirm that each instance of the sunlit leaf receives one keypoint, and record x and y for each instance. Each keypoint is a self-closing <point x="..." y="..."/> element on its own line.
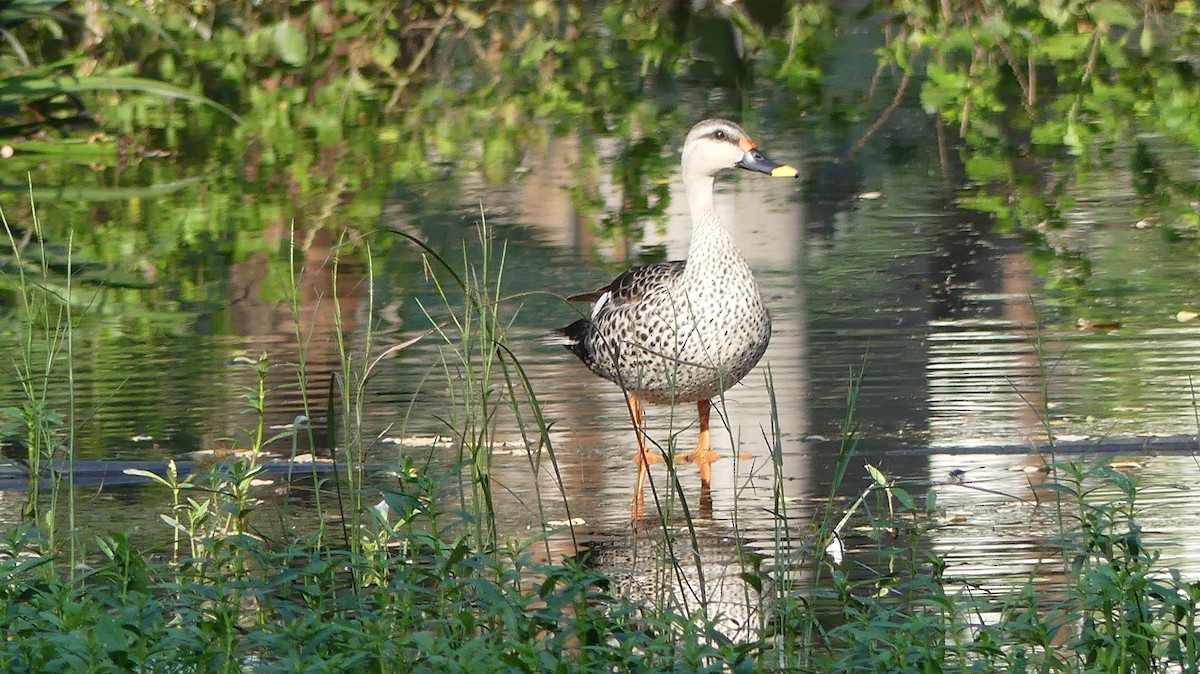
<point x="385" y="52"/>
<point x="984" y="168"/>
<point x="1113" y="13"/>
<point x="138" y="472"/>
<point x="1071" y="138"/>
<point x="290" y="44"/>
<point x="71" y="149"/>
<point x="1048" y="133"/>
<point x="470" y="17"/>
<point x="1056" y="12"/>
<point x="877" y="475"/>
<point x="1064" y="46"/>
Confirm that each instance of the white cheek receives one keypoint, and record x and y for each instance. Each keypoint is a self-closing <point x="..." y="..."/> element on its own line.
<point x="600" y="303"/>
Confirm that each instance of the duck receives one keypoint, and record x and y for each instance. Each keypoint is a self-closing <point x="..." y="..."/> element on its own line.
<point x="682" y="331"/>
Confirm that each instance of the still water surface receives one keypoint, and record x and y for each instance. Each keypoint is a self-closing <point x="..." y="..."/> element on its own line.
<point x="972" y="354"/>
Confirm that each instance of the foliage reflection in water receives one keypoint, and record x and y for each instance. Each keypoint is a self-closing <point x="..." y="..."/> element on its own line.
<point x="979" y="187"/>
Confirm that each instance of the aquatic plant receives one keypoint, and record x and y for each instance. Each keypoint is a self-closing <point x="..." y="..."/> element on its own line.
<point x="405" y="569"/>
<point x="422" y="582"/>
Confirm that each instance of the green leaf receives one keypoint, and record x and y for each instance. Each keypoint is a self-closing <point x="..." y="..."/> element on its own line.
<point x="154" y="477"/>
<point x="1113" y="13"/>
<point x="1048" y="133"/>
<point x="1146" y="40"/>
<point x="985" y="203"/>
<point x="984" y="169"/>
<point x="877" y="476"/>
<point x="72" y="149"/>
<point x="290" y="44"/>
<point x="175" y="524"/>
<point x="473" y="20"/>
<point x="1055" y="12"/>
<point x="1065" y="45"/>
<point x="17" y="90"/>
<point x="1071" y="139"/>
<point x="385" y="52"/>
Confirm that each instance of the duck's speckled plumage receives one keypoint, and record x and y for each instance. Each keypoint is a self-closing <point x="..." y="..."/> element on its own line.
<point x="677" y="332"/>
<point x="681" y="331"/>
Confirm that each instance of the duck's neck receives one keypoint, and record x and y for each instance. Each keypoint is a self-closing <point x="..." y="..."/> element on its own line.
<point x="710" y="240"/>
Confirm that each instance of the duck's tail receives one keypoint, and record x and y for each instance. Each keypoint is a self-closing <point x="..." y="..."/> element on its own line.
<point x="573" y="338"/>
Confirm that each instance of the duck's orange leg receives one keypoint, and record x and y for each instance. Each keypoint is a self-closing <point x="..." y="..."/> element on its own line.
<point x="703" y="456"/>
<point x="643" y="458"/>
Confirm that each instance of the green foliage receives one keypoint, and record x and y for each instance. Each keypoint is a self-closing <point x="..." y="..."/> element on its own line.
<point x="47" y="76"/>
<point x="430" y="604"/>
<point x="1045" y="96"/>
<point x="339" y="98"/>
<point x="423" y="75"/>
<point x="414" y="601"/>
<point x="420" y="582"/>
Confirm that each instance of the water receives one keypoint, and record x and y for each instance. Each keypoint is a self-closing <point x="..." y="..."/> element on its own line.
<point x="974" y="348"/>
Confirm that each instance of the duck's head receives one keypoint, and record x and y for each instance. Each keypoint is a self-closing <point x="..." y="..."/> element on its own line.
<point x="718" y="144"/>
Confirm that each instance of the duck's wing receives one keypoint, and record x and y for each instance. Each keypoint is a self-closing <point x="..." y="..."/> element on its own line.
<point x="627" y="289"/>
<point x="633" y="285"/>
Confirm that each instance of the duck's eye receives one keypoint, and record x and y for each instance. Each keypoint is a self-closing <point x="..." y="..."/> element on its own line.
<point x="719" y="134"/>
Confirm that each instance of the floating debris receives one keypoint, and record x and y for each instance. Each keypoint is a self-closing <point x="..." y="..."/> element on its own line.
<point x="1071" y="438"/>
<point x="1126" y="465"/>
<point x="1027" y="468"/>
<point x="421" y="441"/>
<point x="835" y="550"/>
<point x="573" y="522"/>
<point x="1090" y="324"/>
<point x="227" y="453"/>
<point x="309" y="457"/>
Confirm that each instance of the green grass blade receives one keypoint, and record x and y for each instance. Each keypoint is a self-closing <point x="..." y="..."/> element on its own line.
<point x="16" y="89"/>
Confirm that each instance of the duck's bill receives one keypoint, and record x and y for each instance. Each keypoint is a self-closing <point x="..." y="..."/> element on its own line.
<point x="755" y="160"/>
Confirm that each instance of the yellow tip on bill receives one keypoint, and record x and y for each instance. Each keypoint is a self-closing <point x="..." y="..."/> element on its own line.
<point x="784" y="171"/>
